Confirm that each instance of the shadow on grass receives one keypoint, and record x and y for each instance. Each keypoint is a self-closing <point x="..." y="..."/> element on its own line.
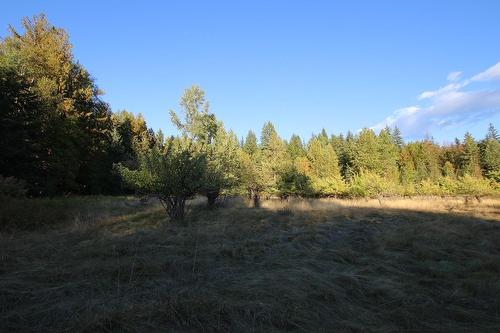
<point x="245" y="269"/>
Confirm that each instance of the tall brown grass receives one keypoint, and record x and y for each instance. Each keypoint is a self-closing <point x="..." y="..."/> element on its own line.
<point x="413" y="265"/>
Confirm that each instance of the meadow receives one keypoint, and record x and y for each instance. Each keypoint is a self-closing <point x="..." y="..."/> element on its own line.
<point x="117" y="264"/>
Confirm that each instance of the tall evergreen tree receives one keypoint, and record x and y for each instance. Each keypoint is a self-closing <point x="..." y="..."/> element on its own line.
<point x="323" y="168"/>
<point x="492" y="133"/>
<point x="295" y="148"/>
<point x="490" y="155"/>
<point x="397" y="137"/>
<point x="268" y="134"/>
<point x="366" y="152"/>
<point x="250" y="144"/>
<point x="388" y="153"/>
<point x="271" y="158"/>
<point x="469" y="159"/>
<point x="76" y="124"/>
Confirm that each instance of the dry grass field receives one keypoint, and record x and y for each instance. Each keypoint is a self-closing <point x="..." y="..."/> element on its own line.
<point x="115" y="265"/>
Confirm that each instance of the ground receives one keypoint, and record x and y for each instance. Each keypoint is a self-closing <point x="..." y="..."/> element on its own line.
<point x="114" y="265"/>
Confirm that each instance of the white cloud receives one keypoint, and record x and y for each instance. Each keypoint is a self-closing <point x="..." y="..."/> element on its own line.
<point x="491" y="74"/>
<point x="442" y="90"/>
<point x="454" y="76"/>
<point x="449" y="105"/>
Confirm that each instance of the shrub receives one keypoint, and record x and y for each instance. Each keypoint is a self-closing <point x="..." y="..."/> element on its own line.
<point x="428" y="187"/>
<point x="329" y="186"/>
<point x="407" y="190"/>
<point x="368" y="184"/>
<point x="474" y="186"/>
<point x="292" y="182"/>
<point x="448" y="185"/>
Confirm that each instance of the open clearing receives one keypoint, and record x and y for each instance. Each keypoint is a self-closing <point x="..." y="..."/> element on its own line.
<point x="409" y="265"/>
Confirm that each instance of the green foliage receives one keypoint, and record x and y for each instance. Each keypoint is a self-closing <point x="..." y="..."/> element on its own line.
<point x="469" y="159"/>
<point x="268" y="134"/>
<point x="492" y="133"/>
<point x="270" y="160"/>
<point x="397" y="138"/>
<point x="419" y="161"/>
<point x="295" y="148"/>
<point x="250" y="146"/>
<point x="370" y="184"/>
<point x="199" y="124"/>
<point x="365" y="152"/>
<point x="174" y="171"/>
<point x="219" y="147"/>
<point x="490" y="158"/>
<point x="68" y="125"/>
<point x="58" y="135"/>
<point x="474" y="186"/>
<point x="223" y="165"/>
<point x="292" y="182"/>
<point x="429" y="187"/>
<point x="388" y="153"/>
<point x="323" y="168"/>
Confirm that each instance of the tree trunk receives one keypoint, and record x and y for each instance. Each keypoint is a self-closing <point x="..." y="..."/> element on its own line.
<point x="174" y="207"/>
<point x="256" y="199"/>
<point x="211" y="198"/>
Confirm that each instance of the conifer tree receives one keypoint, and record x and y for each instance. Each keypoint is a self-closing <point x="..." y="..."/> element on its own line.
<point x="75" y="124"/>
<point x="250" y="144"/>
<point x="366" y="152"/>
<point x="295" y="148"/>
<point x="397" y="137"/>
<point x="323" y="168"/>
<point x="490" y="155"/>
<point x="271" y="158"/>
<point x="492" y="133"/>
<point x="388" y="153"/>
<point x="469" y="159"/>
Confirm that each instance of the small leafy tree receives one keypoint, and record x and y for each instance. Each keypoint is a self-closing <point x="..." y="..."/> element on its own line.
<point x="174" y="171"/>
<point x="218" y="147"/>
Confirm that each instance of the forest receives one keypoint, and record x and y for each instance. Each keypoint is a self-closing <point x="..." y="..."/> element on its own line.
<point x="59" y="137"/>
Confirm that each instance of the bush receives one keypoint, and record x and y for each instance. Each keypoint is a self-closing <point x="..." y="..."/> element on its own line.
<point x="368" y="184"/>
<point x="328" y="186"/>
<point x="474" y="186"/>
<point x="428" y="187"/>
<point x="448" y="186"/>
<point x="293" y="183"/>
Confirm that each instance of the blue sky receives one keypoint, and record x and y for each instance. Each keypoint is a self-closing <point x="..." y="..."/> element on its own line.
<point x="304" y="65"/>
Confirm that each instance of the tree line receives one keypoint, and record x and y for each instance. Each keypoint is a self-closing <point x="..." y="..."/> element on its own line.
<point x="58" y="136"/>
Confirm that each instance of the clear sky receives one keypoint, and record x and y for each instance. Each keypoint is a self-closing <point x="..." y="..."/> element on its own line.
<point x="427" y="66"/>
